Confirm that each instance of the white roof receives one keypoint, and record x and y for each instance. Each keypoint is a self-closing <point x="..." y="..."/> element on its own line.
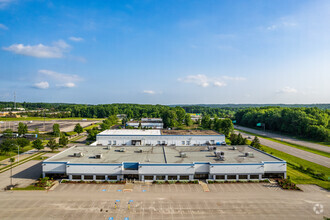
<point x="130" y="132"/>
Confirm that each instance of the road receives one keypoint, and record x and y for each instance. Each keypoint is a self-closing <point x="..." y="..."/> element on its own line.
<point x="174" y="201"/>
<point x="315" y="158"/>
<point x="286" y="138"/>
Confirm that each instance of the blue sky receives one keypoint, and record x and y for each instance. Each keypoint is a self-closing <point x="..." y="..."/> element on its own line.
<point x="165" y="52"/>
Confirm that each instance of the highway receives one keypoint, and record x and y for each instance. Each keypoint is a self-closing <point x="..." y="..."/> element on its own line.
<point x="321" y="160"/>
<point x="286" y="138"/>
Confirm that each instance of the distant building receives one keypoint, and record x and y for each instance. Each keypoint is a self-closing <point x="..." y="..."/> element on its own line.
<point x="154" y="123"/>
<point x="159" y="137"/>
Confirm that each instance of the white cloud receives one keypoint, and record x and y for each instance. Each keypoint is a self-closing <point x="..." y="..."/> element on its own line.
<point x="67" y="78"/>
<point x="235" y="78"/>
<point x="205" y="81"/>
<point x="219" y="84"/>
<point x="150" y="92"/>
<point x="200" y="80"/>
<point x="76" y="39"/>
<point x="57" y="50"/>
<point x="281" y="24"/>
<point x="287" y="90"/>
<point x="42" y="85"/>
<point x="4" y="27"/>
<point x="67" y="85"/>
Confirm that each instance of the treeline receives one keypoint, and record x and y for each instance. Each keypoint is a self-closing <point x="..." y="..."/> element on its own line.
<point x="237" y="106"/>
<point x="311" y="123"/>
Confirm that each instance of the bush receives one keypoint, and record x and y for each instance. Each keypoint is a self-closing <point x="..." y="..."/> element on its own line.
<point x="287" y="184"/>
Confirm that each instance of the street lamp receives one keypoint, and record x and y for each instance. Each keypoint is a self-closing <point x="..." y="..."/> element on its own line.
<point x="11" y="170"/>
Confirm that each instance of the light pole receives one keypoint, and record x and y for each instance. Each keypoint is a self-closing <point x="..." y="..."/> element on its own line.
<point x="11" y="170"/>
<point x="17" y="153"/>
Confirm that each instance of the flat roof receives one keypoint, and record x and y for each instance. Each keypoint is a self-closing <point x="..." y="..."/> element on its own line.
<point x="158" y="155"/>
<point x="189" y="132"/>
<point x="130" y="132"/>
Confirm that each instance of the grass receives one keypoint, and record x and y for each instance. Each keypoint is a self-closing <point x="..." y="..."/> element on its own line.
<point x="3" y="169"/>
<point x="311" y="150"/>
<point x="14" y="153"/>
<point x="30" y="188"/>
<point x="91" y="126"/>
<point x="75" y="139"/>
<point x="297" y="176"/>
<point x="40" y="158"/>
<point x="46" y="119"/>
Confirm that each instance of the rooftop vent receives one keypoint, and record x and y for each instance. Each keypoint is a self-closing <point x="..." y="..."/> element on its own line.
<point x="139" y="150"/>
<point x="220" y="155"/>
<point x="234" y="148"/>
<point x="183" y="155"/>
<point x="98" y="156"/>
<point x="122" y="150"/>
<point x="212" y="148"/>
<point x="79" y="154"/>
<point x="249" y="154"/>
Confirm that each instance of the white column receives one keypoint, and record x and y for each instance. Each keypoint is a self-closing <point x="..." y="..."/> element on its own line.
<point x="285" y="175"/>
<point x="155" y="177"/>
<point x="248" y="177"/>
<point x="118" y="177"/>
<point x="237" y="177"/>
<point x="70" y="177"/>
<point x="82" y="177"/>
<point x="94" y="177"/>
<point x="191" y="177"/>
<point x="142" y="177"/>
<point x="260" y="176"/>
<point x="166" y="177"/>
<point x="178" y="177"/>
<point x="225" y="177"/>
<point x="214" y="177"/>
<point x="106" y="177"/>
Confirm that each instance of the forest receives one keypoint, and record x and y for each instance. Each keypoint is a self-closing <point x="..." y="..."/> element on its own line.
<point x="311" y="123"/>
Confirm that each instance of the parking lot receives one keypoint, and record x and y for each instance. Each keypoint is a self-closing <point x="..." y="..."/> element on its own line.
<point x="177" y="201"/>
<point x="47" y="126"/>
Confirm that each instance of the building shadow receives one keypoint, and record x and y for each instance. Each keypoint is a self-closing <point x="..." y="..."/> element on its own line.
<point x="33" y="172"/>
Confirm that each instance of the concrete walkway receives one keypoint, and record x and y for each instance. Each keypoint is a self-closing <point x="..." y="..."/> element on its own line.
<point x="315" y="158"/>
<point x="286" y="138"/>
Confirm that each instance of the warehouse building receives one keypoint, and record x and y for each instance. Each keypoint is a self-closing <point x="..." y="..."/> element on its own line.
<point x="140" y="137"/>
<point x="146" y="123"/>
<point x="148" y="163"/>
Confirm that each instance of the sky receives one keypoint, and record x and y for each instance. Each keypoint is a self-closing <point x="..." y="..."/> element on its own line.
<point x="165" y="52"/>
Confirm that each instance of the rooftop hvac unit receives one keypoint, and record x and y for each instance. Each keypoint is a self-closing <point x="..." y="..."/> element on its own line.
<point x="211" y="148"/>
<point x="139" y="151"/>
<point x="183" y="155"/>
<point x="98" y="156"/>
<point x="220" y="155"/>
<point x="122" y="150"/>
<point x="249" y="154"/>
<point x="234" y="148"/>
<point x="79" y="154"/>
<point x="109" y="147"/>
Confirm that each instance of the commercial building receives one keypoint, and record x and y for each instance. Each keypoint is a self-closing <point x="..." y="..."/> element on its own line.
<point x="159" y="137"/>
<point x="147" y="163"/>
<point x="146" y="123"/>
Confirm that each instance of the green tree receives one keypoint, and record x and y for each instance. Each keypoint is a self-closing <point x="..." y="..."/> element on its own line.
<point x="22" y="142"/>
<point x="52" y="144"/>
<point x="255" y="142"/>
<point x="206" y="122"/>
<point x="92" y="134"/>
<point x="8" y="133"/>
<point x="37" y="144"/>
<point x="7" y="146"/>
<point x="22" y="128"/>
<point x="36" y="131"/>
<point x="56" y="130"/>
<point x="187" y="120"/>
<point x="226" y="126"/>
<point x="78" y="128"/>
<point x="63" y="140"/>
